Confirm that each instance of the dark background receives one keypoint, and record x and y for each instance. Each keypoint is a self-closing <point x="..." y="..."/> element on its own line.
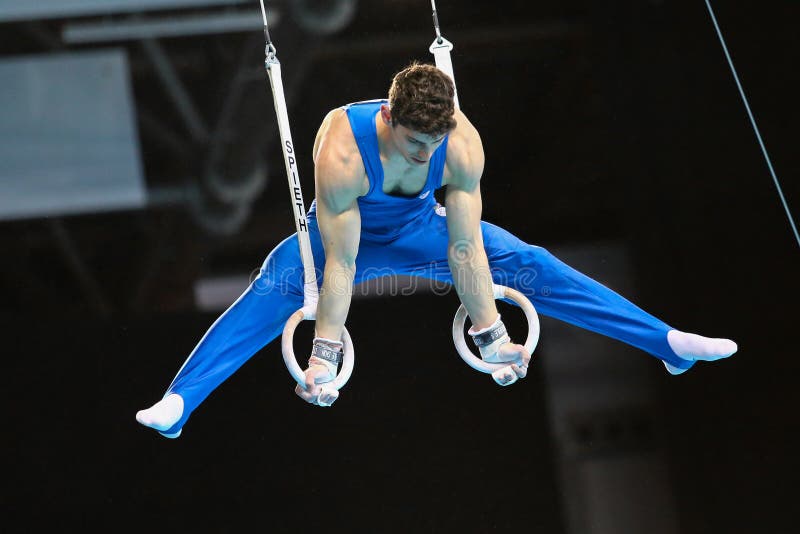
<point x="614" y="121"/>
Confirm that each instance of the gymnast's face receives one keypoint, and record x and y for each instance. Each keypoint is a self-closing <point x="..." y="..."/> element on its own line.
<point x="415" y="147"/>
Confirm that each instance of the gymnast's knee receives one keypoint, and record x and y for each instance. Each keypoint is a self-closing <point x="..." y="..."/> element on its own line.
<point x="530" y="269"/>
<point x="277" y="274"/>
<point x="536" y="258"/>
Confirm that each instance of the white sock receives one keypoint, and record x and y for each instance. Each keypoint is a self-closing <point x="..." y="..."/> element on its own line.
<point x="693" y="347"/>
<point x="674" y="370"/>
<point x="163" y="414"/>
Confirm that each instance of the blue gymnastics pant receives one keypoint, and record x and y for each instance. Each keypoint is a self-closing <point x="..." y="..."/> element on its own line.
<point x="556" y="290"/>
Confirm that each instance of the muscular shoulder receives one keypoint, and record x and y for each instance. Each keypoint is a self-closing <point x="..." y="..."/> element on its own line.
<point x="465" y="158"/>
<point x="339" y="172"/>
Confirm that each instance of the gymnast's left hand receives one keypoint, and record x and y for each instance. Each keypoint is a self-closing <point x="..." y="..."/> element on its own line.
<point x="318" y="373"/>
<point x="511" y="352"/>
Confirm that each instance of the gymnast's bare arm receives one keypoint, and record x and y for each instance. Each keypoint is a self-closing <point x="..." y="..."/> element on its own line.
<point x="339" y="179"/>
<point x="466" y="255"/>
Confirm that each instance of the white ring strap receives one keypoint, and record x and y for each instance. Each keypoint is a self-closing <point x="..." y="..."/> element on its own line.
<point x="440" y="48"/>
<point x="310" y="291"/>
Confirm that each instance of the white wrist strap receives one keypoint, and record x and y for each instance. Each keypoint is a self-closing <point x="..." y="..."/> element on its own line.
<point x="327" y="350"/>
<point x="490" y="339"/>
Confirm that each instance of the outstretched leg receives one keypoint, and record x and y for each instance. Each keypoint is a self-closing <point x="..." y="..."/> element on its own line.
<point x="562" y="292"/>
<point x="558" y="291"/>
<point x="256" y="318"/>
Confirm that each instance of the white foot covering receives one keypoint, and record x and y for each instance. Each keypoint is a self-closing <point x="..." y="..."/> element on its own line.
<point x="163" y="414"/>
<point x="693" y="347"/>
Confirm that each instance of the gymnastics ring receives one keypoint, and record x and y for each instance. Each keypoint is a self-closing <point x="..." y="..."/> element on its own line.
<point x="530" y="344"/>
<point x="287" y="347"/>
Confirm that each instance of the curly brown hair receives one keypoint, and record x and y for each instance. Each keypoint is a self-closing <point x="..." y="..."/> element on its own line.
<point x="421" y="98"/>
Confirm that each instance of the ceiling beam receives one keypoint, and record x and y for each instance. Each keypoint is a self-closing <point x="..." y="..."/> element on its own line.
<point x="488" y="39"/>
<point x="136" y="27"/>
<point x="14" y="10"/>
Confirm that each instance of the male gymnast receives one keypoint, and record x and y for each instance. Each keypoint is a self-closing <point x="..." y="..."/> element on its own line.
<point x="377" y="165"/>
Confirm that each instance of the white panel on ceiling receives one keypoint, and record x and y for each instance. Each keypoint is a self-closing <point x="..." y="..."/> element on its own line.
<point x="68" y="136"/>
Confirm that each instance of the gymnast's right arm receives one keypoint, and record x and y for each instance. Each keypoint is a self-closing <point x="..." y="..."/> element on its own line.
<point x="339" y="177"/>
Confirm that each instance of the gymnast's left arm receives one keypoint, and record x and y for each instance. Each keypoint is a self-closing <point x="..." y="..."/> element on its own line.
<point x="467" y="257"/>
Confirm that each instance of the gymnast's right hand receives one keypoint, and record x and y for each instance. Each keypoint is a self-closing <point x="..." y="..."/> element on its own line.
<point x="322" y="368"/>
